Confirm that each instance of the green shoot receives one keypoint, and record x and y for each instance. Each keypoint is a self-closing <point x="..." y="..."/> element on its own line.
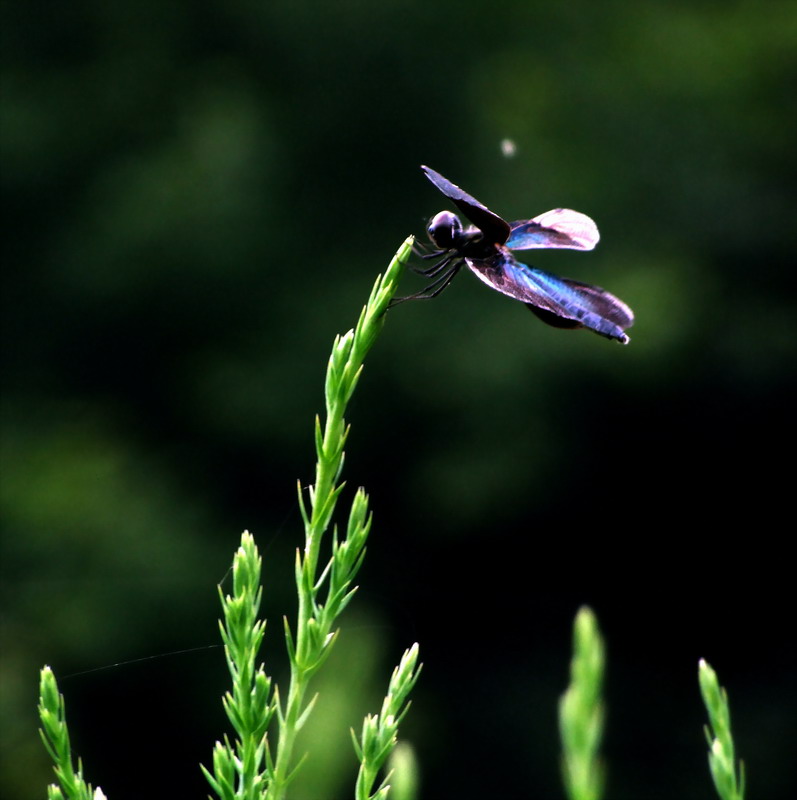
<point x="728" y="782"/>
<point x="581" y="712"/>
<point x="52" y="713"/>
<point x="379" y="733"/>
<point x="242" y="771"/>
<point x="251" y="768"/>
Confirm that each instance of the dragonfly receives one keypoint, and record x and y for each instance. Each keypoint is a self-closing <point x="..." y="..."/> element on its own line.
<point x="485" y="248"/>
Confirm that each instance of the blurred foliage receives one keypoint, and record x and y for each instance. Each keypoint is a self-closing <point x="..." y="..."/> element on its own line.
<point x="197" y="197"/>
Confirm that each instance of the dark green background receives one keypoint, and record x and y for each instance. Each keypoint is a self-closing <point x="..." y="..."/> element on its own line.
<point x="198" y="196"/>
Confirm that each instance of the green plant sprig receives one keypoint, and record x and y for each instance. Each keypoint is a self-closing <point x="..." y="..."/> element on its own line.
<point x="249" y="770"/>
<point x="721" y="758"/>
<point x="241" y="772"/>
<point x="54" y="734"/>
<point x="581" y="713"/>
<point x="379" y="733"/>
<point x="316" y="616"/>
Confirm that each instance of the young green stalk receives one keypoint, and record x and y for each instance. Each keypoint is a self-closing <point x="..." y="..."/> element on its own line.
<point x="242" y="772"/>
<point x="379" y="733"/>
<point x="315" y="634"/>
<point x="728" y="783"/>
<point x="54" y="733"/>
<point x="581" y="712"/>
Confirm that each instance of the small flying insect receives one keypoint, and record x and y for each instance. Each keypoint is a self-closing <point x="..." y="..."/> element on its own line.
<point x="485" y="248"/>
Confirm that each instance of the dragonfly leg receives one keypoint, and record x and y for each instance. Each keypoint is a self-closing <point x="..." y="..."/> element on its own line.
<point x="435" y="269"/>
<point x="434" y="288"/>
<point x="421" y="249"/>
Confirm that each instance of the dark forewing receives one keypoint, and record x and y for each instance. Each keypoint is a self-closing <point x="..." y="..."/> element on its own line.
<point x="573" y="302"/>
<point x="495" y="229"/>
<point x="559" y="227"/>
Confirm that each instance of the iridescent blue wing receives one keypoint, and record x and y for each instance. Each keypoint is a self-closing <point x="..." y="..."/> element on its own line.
<point x="560" y="302"/>
<point x="495" y="229"/>
<point x="560" y="227"/>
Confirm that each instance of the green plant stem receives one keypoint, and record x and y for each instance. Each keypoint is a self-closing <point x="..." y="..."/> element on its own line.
<point x="721" y="756"/>
<point x="54" y="733"/>
<point x="314" y="633"/>
<point x="581" y="712"/>
<point x="241" y="773"/>
<point x="379" y="735"/>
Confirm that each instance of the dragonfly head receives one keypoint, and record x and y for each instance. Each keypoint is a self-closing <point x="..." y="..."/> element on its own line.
<point x="445" y="230"/>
